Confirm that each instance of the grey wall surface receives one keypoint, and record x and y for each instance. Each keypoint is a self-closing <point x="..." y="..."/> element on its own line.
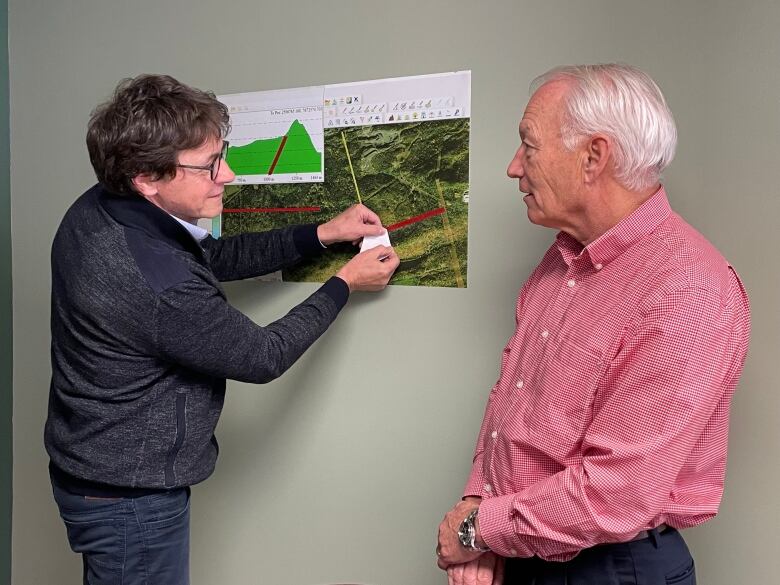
<point x="341" y="470"/>
<point x="6" y="356"/>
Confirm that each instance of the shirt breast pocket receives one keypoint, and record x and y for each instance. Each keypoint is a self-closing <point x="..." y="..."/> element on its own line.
<point x="561" y="399"/>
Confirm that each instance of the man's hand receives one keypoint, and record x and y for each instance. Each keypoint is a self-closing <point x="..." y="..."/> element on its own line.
<point x="488" y="569"/>
<point x="370" y="270"/>
<point x="349" y="226"/>
<point x="449" y="550"/>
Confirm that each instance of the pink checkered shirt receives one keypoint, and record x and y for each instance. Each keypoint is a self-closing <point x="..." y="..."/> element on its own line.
<point x="611" y="412"/>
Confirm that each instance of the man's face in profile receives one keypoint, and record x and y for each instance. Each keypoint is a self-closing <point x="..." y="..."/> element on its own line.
<point x="547" y="172"/>
<point x="192" y="193"/>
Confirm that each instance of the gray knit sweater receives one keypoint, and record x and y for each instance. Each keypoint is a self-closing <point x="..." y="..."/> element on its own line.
<point x="143" y="339"/>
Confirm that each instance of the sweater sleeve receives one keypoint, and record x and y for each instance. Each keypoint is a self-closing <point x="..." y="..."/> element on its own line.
<point x="196" y="327"/>
<point x="255" y="254"/>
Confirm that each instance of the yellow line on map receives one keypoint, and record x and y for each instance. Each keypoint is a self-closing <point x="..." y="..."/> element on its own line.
<point x="351" y="170"/>
<point x="448" y="230"/>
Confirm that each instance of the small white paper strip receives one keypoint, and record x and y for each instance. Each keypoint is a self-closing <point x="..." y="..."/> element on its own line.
<point x="369" y="242"/>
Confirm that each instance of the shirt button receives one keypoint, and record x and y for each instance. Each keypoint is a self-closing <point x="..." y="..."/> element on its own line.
<point x="545" y="334"/>
<point x="598" y="267"/>
<point x="494" y="434"/>
<point x="488" y="487"/>
<point x="571" y="283"/>
<point x="519" y="384"/>
<point x="513" y="552"/>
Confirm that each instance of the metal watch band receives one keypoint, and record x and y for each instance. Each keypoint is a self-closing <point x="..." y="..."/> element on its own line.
<point x="467" y="533"/>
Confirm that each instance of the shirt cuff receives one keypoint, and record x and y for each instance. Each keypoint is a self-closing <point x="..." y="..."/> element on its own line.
<point x="336" y="289"/>
<point x="497" y="527"/>
<point x="306" y="241"/>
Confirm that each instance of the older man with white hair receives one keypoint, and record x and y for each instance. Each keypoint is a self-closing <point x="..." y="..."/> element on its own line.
<point x="606" y="432"/>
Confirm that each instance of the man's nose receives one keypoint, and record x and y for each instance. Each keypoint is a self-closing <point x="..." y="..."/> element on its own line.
<point x="515" y="168"/>
<point x="225" y="174"/>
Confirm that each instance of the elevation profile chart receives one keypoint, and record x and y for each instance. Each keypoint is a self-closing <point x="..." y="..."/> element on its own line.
<point x="276" y="136"/>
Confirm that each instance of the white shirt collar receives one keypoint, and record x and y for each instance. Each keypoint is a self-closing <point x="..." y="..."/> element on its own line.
<point x="196" y="231"/>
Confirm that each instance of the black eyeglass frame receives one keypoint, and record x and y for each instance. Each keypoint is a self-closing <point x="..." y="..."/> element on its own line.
<point x="213" y="167"/>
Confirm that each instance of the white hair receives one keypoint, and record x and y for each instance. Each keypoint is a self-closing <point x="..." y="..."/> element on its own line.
<point x="625" y="104"/>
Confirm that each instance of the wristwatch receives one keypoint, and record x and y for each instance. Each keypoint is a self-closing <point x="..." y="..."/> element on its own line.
<point x="467" y="533"/>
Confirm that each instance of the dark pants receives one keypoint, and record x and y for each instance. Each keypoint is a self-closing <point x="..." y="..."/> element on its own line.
<point x="130" y="541"/>
<point x="660" y="559"/>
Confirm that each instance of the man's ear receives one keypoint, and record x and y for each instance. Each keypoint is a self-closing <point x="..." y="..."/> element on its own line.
<point x="146" y="185"/>
<point x="599" y="149"/>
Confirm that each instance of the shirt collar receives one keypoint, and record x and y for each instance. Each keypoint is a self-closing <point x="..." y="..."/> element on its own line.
<point x="616" y="240"/>
<point x="196" y="231"/>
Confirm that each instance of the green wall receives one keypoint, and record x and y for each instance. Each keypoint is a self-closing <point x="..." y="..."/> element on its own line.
<point x="5" y="308"/>
<point x="340" y="471"/>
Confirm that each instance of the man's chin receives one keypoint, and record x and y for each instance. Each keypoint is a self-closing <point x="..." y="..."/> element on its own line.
<point x="213" y="212"/>
<point x="535" y="216"/>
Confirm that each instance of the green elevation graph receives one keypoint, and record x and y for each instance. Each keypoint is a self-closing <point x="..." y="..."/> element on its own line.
<point x="292" y="153"/>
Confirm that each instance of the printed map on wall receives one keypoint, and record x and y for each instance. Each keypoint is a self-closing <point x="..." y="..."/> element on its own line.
<point x="399" y="146"/>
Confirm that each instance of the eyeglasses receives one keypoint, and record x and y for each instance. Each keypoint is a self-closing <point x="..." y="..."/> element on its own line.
<point x="213" y="168"/>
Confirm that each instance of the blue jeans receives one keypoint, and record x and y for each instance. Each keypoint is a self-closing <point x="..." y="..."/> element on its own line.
<point x="660" y="559"/>
<point x="129" y="541"/>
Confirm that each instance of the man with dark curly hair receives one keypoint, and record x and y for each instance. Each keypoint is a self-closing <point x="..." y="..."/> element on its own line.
<point x="143" y="337"/>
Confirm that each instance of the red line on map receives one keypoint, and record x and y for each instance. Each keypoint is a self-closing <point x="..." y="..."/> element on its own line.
<point x="278" y="154"/>
<point x="271" y="209"/>
<point x="416" y="218"/>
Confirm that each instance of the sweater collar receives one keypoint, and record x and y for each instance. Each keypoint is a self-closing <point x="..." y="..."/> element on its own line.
<point x="135" y="212"/>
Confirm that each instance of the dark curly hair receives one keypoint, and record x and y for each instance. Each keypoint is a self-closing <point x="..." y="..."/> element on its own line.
<point x="144" y="126"/>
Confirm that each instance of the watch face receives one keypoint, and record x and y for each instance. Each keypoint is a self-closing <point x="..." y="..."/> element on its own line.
<point x="464" y="533"/>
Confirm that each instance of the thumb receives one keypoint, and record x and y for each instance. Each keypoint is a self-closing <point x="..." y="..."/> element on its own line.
<point x="370" y="229"/>
<point x="381" y="252"/>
